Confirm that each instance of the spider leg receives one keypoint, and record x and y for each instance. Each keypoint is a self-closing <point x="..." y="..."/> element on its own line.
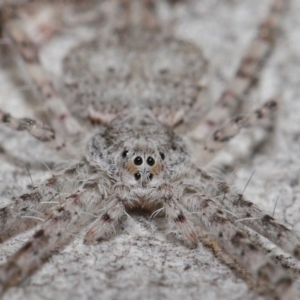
<point x="223" y="135"/>
<point x="105" y="222"/>
<point x="176" y="214"/>
<point x="64" y="220"/>
<point x="258" y="220"/>
<point x="215" y="221"/>
<point x="207" y="240"/>
<point x="116" y="210"/>
<point x="29" y="209"/>
<point x="36" y="129"/>
<point x="28" y="50"/>
<point x="245" y="77"/>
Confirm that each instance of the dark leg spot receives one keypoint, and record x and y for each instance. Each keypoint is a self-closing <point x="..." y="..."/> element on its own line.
<point x="180" y="218"/>
<point x="38" y="234"/>
<point x="106" y="218"/>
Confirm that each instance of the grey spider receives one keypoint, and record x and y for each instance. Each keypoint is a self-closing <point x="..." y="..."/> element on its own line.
<point x="140" y="87"/>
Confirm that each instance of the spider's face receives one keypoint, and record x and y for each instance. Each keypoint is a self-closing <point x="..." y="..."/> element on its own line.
<point x="142" y="168"/>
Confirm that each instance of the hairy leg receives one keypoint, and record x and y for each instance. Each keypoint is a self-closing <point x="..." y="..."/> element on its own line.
<point x="13" y="28"/>
<point x="261" y="117"/>
<point x="234" y="241"/>
<point x="64" y="220"/>
<point x="36" y="129"/>
<point x="232" y="98"/>
<point x="252" y="216"/>
<point x="122" y="197"/>
<point x="30" y="208"/>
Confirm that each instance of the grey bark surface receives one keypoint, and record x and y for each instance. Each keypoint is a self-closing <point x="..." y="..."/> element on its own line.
<point x="145" y="260"/>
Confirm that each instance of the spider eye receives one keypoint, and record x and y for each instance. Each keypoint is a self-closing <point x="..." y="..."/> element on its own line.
<point x="124" y="154"/>
<point x="162" y="155"/>
<point x="150" y="176"/>
<point x="138" y="161"/>
<point x="137" y="176"/>
<point x="150" y="161"/>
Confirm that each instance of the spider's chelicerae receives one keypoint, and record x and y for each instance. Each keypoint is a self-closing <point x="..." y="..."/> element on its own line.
<point x="131" y="129"/>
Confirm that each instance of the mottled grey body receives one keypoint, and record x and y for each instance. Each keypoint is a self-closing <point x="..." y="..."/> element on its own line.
<point x="140" y="88"/>
<point x="133" y="71"/>
<point x="138" y="135"/>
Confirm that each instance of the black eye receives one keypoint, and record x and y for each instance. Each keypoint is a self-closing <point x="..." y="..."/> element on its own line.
<point x="150" y="176"/>
<point x="124" y="154"/>
<point x="150" y="161"/>
<point x="137" y="176"/>
<point x="162" y="155"/>
<point x="138" y="161"/>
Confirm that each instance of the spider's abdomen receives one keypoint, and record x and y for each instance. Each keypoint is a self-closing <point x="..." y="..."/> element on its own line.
<point x="110" y="77"/>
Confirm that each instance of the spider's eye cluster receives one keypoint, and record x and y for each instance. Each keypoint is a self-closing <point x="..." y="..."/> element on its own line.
<point x="138" y="161"/>
<point x="150" y="161"/>
<point x="137" y="176"/>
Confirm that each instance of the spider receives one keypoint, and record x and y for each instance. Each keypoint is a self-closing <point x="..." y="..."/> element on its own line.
<point x="134" y="103"/>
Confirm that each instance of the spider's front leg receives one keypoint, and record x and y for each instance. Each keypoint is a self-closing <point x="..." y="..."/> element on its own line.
<point x="115" y="210"/>
<point x="122" y="197"/>
<point x="217" y="224"/>
<point x="63" y="221"/>
<point x="33" y="207"/>
<point x="29" y="209"/>
<point x="166" y="193"/>
<point x="214" y="220"/>
<point x="252" y="216"/>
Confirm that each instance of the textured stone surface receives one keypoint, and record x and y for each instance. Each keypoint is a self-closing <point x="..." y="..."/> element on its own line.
<point x="145" y="261"/>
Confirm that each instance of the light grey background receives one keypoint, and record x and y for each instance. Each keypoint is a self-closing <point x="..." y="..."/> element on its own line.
<point x="145" y="261"/>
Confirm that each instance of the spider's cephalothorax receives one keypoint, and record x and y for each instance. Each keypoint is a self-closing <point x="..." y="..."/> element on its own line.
<point x="131" y="92"/>
<point x="140" y="153"/>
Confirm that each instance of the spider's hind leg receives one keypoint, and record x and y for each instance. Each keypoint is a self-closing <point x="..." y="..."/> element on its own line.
<point x="64" y="221"/>
<point x="13" y="28"/>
